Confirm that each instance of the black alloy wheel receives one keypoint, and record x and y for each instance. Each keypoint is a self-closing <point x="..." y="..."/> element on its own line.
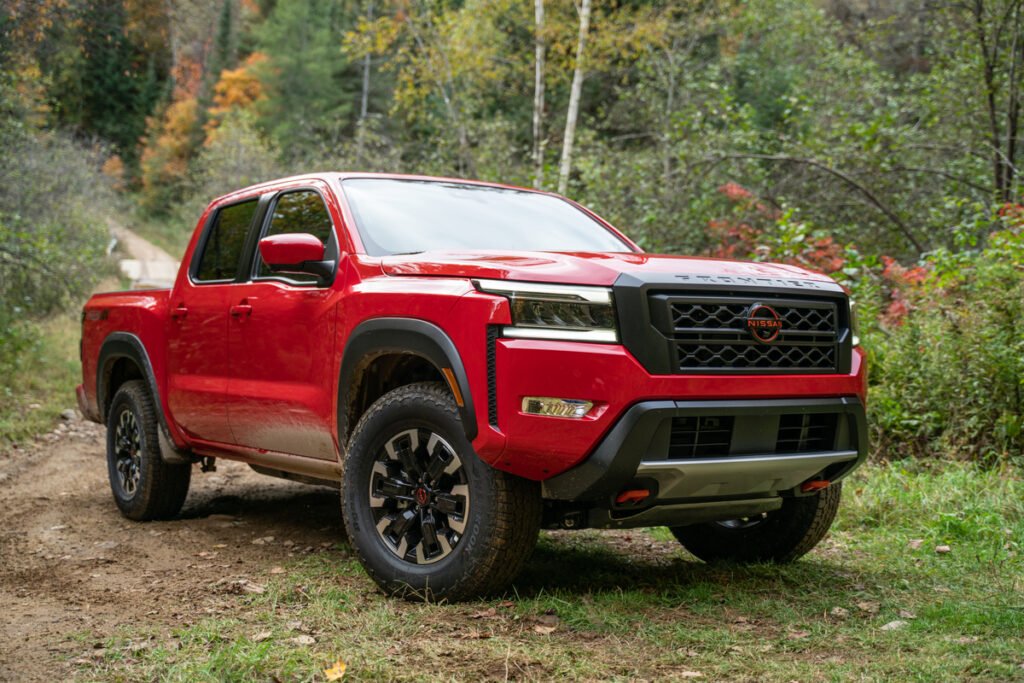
<point x="427" y="518"/>
<point x="128" y="452"/>
<point x="419" y="494"/>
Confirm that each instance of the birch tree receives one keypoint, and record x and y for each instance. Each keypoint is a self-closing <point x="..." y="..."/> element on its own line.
<point x="540" y="48"/>
<point x="572" y="115"/>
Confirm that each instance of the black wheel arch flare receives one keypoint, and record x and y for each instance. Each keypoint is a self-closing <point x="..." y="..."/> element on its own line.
<point x="119" y="345"/>
<point x="379" y="336"/>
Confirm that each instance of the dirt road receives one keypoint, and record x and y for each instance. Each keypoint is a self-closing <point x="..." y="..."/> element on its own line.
<point x="72" y="570"/>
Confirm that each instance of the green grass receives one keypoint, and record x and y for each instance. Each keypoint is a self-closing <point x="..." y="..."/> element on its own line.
<point x="624" y="609"/>
<point x="43" y="383"/>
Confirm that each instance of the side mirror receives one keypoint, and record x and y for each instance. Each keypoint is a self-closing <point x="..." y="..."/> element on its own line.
<point x="296" y="253"/>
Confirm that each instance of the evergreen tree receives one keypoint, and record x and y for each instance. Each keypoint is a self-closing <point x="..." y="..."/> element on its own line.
<point x="311" y="88"/>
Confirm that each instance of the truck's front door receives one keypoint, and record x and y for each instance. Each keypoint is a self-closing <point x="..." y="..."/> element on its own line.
<point x="281" y="342"/>
<point x="197" y="334"/>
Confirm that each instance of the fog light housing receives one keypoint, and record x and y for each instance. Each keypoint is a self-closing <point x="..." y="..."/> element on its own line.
<point x="556" y="407"/>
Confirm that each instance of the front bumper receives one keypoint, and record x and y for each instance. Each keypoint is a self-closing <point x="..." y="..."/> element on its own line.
<point x="756" y="459"/>
<point x="540" y="448"/>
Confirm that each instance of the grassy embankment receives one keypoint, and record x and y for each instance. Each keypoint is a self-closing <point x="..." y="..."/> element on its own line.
<point x="43" y="383"/>
<point x="874" y="602"/>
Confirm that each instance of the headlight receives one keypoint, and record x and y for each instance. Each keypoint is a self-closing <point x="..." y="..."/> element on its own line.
<point x="542" y="311"/>
<point x="854" y="327"/>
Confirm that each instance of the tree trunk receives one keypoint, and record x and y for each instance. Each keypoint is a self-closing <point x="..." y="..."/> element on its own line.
<point x="364" y="104"/>
<point x="574" y="100"/>
<point x="365" y="101"/>
<point x="538" y="94"/>
<point x="1013" y="111"/>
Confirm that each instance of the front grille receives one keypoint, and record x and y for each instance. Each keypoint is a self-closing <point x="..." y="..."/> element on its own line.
<point x="712" y="436"/>
<point x="700" y="437"/>
<point x="806" y="433"/>
<point x="711" y="334"/>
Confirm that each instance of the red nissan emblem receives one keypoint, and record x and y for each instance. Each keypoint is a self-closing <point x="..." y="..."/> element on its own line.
<point x="421" y="496"/>
<point x="763" y="323"/>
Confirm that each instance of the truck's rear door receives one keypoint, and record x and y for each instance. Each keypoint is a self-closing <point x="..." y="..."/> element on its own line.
<point x="197" y="335"/>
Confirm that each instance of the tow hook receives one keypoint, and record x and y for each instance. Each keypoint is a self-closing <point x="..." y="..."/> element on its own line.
<point x="632" y="496"/>
<point x="815" y="485"/>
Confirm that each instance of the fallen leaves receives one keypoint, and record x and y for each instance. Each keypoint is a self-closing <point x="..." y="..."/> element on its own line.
<point x="868" y="606"/>
<point x="916" y="543"/>
<point x="489" y="613"/>
<point x="894" y="625"/>
<point x="942" y="549"/>
<point x="336" y="672"/>
<point x="544" y="630"/>
<point x="240" y="586"/>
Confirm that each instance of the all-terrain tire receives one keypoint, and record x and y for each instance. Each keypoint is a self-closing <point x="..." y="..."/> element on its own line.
<point x="783" y="535"/>
<point x="144" y="486"/>
<point x="463" y="533"/>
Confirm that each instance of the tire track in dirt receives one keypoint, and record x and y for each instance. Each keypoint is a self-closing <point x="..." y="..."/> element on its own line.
<point x="72" y="570"/>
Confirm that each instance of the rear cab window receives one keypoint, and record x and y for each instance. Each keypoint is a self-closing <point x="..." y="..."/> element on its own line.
<point x="299" y="211"/>
<point x="221" y="251"/>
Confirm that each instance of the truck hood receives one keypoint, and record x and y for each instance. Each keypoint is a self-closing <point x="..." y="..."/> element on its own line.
<point x="582" y="268"/>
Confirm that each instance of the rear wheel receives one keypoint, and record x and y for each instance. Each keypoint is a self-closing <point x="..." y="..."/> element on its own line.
<point x="428" y="519"/>
<point x="144" y="486"/>
<point x="782" y="535"/>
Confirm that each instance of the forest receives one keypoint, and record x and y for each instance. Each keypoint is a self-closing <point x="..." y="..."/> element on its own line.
<point x="878" y="142"/>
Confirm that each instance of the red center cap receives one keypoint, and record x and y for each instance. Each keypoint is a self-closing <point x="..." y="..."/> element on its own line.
<point x="421" y="496"/>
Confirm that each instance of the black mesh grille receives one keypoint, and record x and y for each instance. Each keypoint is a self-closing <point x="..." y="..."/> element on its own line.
<point x="712" y="436"/>
<point x="712" y="334"/>
<point x="806" y="433"/>
<point x="700" y="437"/>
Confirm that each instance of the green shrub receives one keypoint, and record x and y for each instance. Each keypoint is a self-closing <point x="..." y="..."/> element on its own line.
<point x="948" y="375"/>
<point x="53" y="232"/>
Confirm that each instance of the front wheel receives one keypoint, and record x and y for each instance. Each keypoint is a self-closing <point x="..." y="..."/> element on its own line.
<point x="427" y="518"/>
<point x="782" y="535"/>
<point x="144" y="486"/>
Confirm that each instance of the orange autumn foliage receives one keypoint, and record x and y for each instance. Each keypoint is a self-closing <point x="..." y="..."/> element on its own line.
<point x="172" y="142"/>
<point x="237" y="89"/>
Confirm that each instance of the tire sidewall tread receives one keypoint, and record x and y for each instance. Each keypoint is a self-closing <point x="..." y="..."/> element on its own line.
<point x="786" y="535"/>
<point x="504" y="514"/>
<point x="162" y="487"/>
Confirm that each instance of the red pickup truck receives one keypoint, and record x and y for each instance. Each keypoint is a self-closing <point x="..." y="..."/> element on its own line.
<point x="472" y="362"/>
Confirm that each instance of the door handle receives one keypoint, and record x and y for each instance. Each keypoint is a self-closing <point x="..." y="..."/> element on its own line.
<point x="240" y="310"/>
<point x="179" y="312"/>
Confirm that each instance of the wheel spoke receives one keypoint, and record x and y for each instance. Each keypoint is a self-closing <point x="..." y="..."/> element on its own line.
<point x="395" y="488"/>
<point x="402" y="447"/>
<point x="449" y="504"/>
<point x="440" y="458"/>
<point x="400" y="524"/>
<point x="420" y="496"/>
<point x="429" y="529"/>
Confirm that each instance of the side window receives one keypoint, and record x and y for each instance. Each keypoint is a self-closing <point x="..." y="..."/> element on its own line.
<point x="299" y="212"/>
<point x="223" y="247"/>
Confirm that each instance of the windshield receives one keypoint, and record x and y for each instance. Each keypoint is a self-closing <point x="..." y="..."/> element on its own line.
<point x="408" y="216"/>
